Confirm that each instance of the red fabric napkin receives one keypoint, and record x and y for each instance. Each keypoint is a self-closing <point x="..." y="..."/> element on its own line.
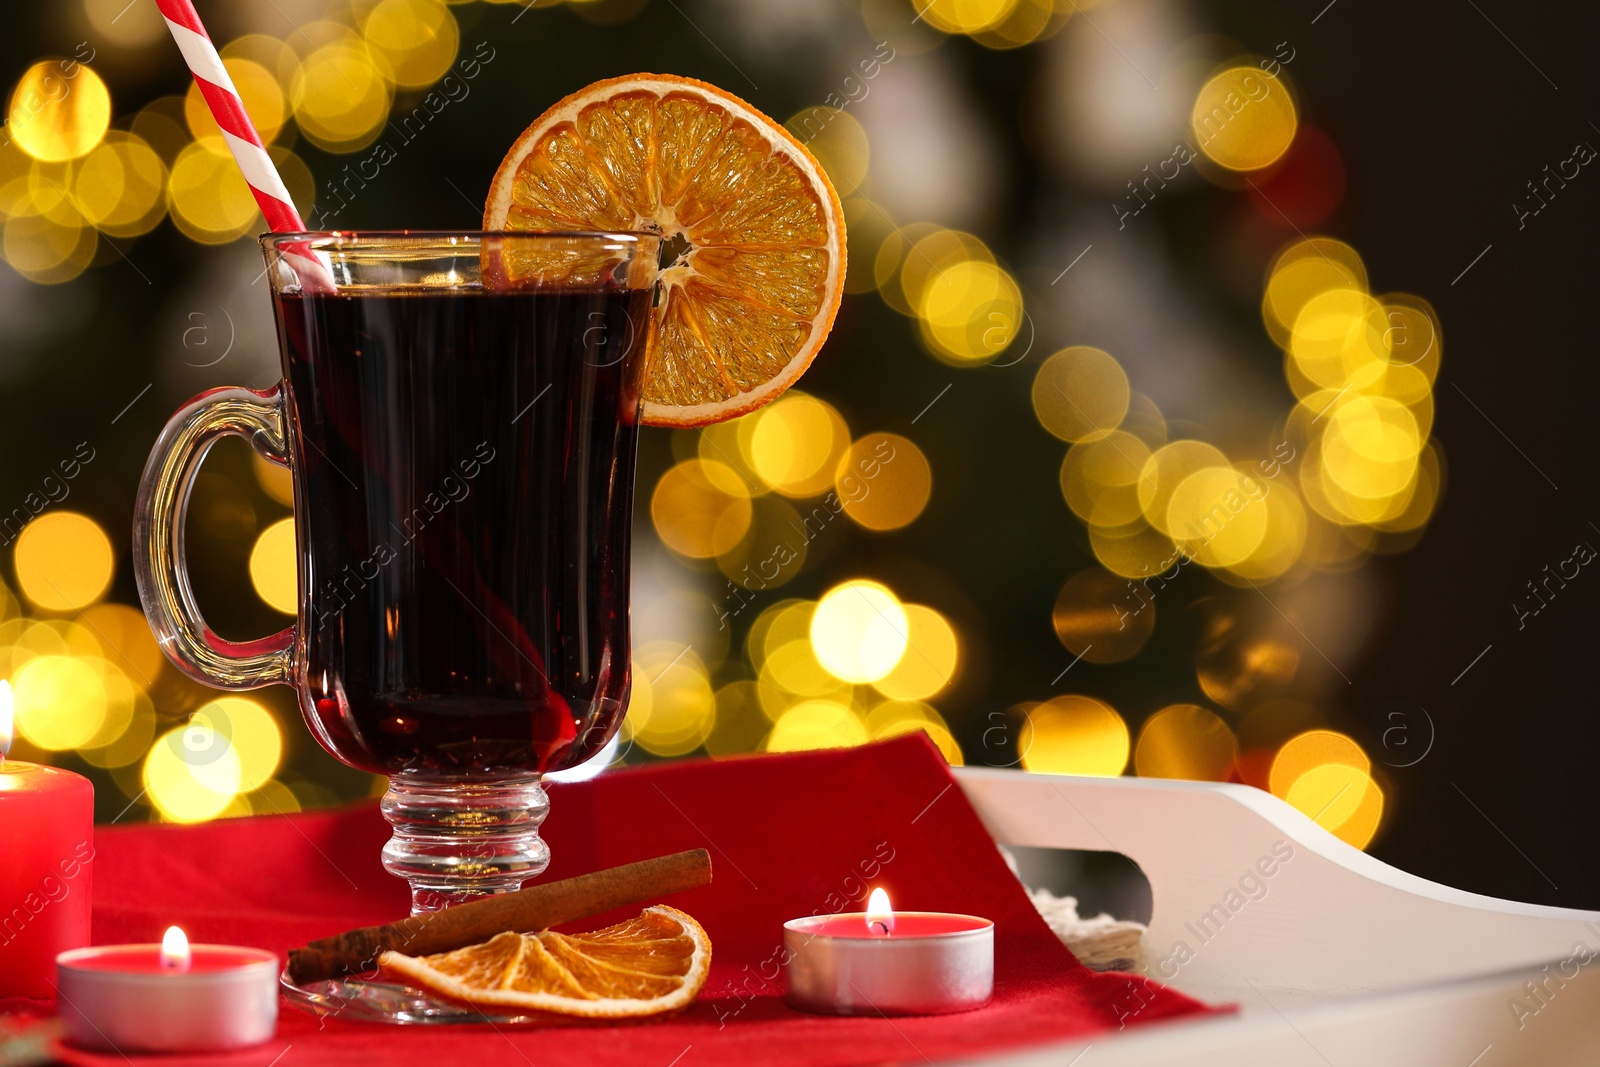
<point x="789" y="835"/>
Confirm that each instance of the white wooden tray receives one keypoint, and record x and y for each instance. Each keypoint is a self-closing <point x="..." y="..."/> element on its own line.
<point x="1333" y="957"/>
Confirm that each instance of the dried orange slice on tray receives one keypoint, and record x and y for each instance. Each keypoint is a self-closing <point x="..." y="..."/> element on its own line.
<point x="651" y="965"/>
<point x="755" y="241"/>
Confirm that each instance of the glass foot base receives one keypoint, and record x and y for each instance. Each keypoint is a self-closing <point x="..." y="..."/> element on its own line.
<point x="362" y="1000"/>
<point x="456" y="839"/>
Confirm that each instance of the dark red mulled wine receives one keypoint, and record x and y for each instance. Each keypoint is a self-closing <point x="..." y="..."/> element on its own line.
<point x="464" y="494"/>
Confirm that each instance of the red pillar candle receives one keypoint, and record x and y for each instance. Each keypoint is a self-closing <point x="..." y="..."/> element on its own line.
<point x="46" y="849"/>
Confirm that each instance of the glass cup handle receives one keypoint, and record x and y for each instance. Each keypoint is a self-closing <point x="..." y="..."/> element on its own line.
<point x="160" y="513"/>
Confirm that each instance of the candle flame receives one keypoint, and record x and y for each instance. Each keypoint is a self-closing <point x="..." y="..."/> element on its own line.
<point x="175" y="949"/>
<point x="5" y="718"/>
<point x="880" y="916"/>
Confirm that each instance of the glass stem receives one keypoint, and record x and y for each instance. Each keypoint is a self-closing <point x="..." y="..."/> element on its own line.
<point x="455" y="839"/>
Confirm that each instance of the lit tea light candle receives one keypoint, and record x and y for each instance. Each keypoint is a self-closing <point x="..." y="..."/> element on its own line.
<point x="883" y="962"/>
<point x="171" y="997"/>
<point x="47" y="823"/>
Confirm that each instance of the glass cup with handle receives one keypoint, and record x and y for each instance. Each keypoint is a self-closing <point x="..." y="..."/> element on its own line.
<point x="459" y="413"/>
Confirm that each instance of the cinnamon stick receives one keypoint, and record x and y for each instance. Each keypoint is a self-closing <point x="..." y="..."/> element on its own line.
<point x="534" y="908"/>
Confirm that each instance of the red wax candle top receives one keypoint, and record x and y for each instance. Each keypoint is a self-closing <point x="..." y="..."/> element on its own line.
<point x="19" y="777"/>
<point x="907" y="924"/>
<point x="146" y="959"/>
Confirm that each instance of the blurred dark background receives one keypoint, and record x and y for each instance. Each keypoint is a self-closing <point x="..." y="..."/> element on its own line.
<point x="1417" y="131"/>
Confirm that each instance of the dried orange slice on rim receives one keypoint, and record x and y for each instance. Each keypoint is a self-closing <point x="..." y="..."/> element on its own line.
<point x="650" y="965"/>
<point x="755" y="249"/>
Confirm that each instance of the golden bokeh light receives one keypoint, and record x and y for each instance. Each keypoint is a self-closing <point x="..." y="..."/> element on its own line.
<point x="916" y="253"/>
<point x="794" y="668"/>
<point x="817" y="724"/>
<point x="120" y="188"/>
<point x="883" y="481"/>
<point x="49" y="194"/>
<point x="418" y="40"/>
<point x="64" y="561"/>
<point x="1243" y="119"/>
<point x="970" y="311"/>
<point x="680" y="709"/>
<point x="1337" y="331"/>
<point x="59" y="110"/>
<point x="16" y="167"/>
<point x="1335" y="502"/>
<point x="1398" y="381"/>
<point x="1074" y="735"/>
<point x="131" y="744"/>
<point x="1027" y="22"/>
<point x="699" y="509"/>
<point x="720" y="443"/>
<point x="888" y="715"/>
<point x="341" y="96"/>
<point x="966" y="16"/>
<point x="1369" y="431"/>
<point x="1305" y="269"/>
<point x="59" y="702"/>
<point x="274" y="479"/>
<point x="123" y="702"/>
<point x="126" y="641"/>
<point x="1217" y="515"/>
<point x="1282" y="541"/>
<point x="1342" y="799"/>
<point x="785" y="621"/>
<point x="1423" y="495"/>
<point x="1136" y="551"/>
<point x="859" y="631"/>
<point x="795" y="444"/>
<point x="1080" y="394"/>
<point x="775" y="699"/>
<point x="22" y="639"/>
<point x="1166" y="469"/>
<point x="933" y="652"/>
<point x="1102" y="617"/>
<point x="250" y="730"/>
<point x="208" y="197"/>
<point x="191" y="774"/>
<point x="1100" y="478"/>
<point x="1313" y="749"/>
<point x="274" y="567"/>
<point x="1185" y="741"/>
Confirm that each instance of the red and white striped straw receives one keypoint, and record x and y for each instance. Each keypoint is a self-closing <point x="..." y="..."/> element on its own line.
<point x="240" y="134"/>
